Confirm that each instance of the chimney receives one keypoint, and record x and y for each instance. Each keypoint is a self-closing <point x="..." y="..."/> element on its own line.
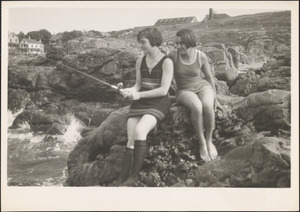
<point x="211" y="14"/>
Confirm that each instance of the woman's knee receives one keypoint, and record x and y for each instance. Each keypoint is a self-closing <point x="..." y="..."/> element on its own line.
<point x="140" y="131"/>
<point x="196" y="108"/>
<point x="208" y="105"/>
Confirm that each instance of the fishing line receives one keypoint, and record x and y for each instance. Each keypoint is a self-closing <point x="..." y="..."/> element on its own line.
<point x="120" y="85"/>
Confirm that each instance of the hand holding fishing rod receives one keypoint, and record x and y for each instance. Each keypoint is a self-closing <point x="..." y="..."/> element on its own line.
<point x="130" y="93"/>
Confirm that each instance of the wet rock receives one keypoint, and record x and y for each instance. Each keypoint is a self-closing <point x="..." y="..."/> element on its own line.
<point x="17" y="99"/>
<point x="56" y="129"/>
<point x="37" y="120"/>
<point x="30" y="78"/>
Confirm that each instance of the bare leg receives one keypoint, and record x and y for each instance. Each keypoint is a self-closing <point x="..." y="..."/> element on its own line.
<point x="193" y="103"/>
<point x="131" y="125"/>
<point x="206" y="96"/>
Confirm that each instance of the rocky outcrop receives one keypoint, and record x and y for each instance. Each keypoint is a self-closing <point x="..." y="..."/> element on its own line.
<point x="84" y="43"/>
<point x="109" y="65"/>
<point x="262" y="163"/>
<point x="221" y="61"/>
<point x="30" y="78"/>
<point x="172" y="159"/>
<point x="17" y="99"/>
<point x="270" y="110"/>
<point x="275" y="74"/>
<point x="53" y="117"/>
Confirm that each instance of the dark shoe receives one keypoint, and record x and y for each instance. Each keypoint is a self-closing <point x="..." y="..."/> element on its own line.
<point x="139" y="153"/>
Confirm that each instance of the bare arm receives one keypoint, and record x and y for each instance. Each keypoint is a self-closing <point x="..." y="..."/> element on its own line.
<point x="165" y="82"/>
<point x="138" y="81"/>
<point x="207" y="72"/>
<point x="209" y="78"/>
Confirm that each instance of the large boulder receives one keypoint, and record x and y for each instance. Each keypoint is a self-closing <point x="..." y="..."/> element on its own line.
<point x="50" y="117"/>
<point x="222" y="62"/>
<point x="17" y="99"/>
<point x="30" y="78"/>
<point x="263" y="163"/>
<point x="251" y="82"/>
<point x="90" y="162"/>
<point x="172" y="158"/>
<point x="108" y="65"/>
<point x="270" y="110"/>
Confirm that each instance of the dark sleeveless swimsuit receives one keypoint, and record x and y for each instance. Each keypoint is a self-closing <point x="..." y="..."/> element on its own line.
<point x="158" y="106"/>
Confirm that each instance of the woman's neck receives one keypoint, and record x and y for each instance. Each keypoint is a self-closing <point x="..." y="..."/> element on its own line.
<point x="154" y="52"/>
<point x="190" y="54"/>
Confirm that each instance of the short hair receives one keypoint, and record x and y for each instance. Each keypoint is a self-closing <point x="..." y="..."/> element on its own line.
<point x="152" y="34"/>
<point x="188" y="37"/>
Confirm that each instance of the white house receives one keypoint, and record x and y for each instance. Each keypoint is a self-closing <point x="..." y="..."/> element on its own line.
<point x="13" y="40"/>
<point x="30" y="45"/>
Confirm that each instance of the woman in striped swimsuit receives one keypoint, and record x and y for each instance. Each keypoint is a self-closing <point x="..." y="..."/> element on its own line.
<point x="154" y="72"/>
<point x="195" y="92"/>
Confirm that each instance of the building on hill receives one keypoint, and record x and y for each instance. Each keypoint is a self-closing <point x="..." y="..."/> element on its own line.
<point x="30" y="45"/>
<point x="214" y="16"/>
<point x="56" y="40"/>
<point x="172" y="21"/>
<point x="13" y="40"/>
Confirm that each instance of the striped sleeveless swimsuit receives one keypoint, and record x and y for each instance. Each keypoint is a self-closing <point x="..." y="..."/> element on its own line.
<point x="158" y="106"/>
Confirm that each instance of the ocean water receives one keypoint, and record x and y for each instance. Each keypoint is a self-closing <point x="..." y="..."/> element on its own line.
<point x="38" y="159"/>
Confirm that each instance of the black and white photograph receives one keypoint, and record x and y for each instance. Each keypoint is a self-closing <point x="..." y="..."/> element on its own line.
<point x="171" y="105"/>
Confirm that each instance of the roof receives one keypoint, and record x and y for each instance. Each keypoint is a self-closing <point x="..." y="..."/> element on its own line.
<point x="176" y="20"/>
<point x="56" y="37"/>
<point x="12" y="34"/>
<point x="32" y="41"/>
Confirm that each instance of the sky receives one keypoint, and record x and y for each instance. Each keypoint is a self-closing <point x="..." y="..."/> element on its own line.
<point x="104" y="16"/>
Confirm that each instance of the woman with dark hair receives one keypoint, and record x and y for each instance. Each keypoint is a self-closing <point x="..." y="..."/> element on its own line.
<point x="194" y="91"/>
<point x="154" y="72"/>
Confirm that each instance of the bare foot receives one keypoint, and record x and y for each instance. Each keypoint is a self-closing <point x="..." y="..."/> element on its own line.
<point x="204" y="153"/>
<point x="212" y="151"/>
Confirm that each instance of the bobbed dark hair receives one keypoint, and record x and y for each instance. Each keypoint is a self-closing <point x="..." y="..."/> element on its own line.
<point x="188" y="37"/>
<point x="152" y="34"/>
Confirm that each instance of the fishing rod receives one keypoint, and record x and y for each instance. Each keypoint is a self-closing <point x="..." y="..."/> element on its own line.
<point x="118" y="87"/>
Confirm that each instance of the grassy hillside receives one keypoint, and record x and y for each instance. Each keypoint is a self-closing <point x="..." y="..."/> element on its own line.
<point x="229" y="30"/>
